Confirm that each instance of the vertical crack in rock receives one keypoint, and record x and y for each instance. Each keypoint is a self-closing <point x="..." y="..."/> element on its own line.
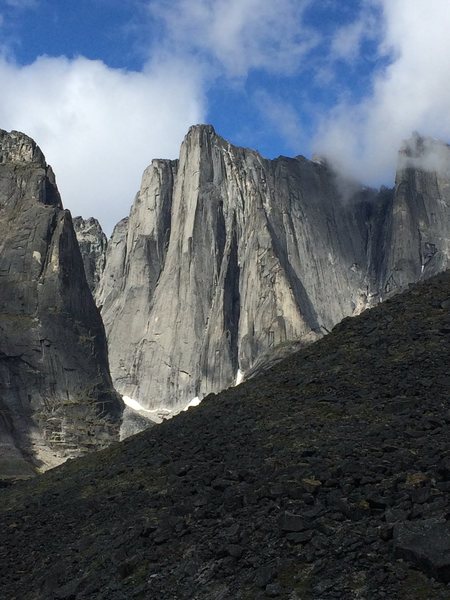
<point x="232" y="301"/>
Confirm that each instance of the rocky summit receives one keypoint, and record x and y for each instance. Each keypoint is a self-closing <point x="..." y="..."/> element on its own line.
<point x="227" y="256"/>
<point x="327" y="477"/>
<point x="56" y="394"/>
<point x="93" y="244"/>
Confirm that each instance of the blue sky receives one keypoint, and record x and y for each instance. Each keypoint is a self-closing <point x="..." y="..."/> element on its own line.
<point x="104" y="86"/>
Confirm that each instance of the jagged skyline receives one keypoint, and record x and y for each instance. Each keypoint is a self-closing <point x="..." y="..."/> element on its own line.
<point x="105" y="87"/>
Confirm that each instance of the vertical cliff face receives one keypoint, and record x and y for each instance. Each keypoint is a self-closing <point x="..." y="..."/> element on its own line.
<point x="93" y="243"/>
<point x="56" y="395"/>
<point x="419" y="244"/>
<point x="225" y="255"/>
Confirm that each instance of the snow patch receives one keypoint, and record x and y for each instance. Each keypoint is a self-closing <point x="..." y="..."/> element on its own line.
<point x="239" y="377"/>
<point x="134" y="404"/>
<point x="37" y="256"/>
<point x="194" y="402"/>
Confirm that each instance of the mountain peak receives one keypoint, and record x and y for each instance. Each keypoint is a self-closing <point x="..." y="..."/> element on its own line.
<point x="18" y="148"/>
<point x="425" y="153"/>
<point x="201" y="129"/>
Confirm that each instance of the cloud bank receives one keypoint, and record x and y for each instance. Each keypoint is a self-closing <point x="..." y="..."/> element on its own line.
<point x="411" y="93"/>
<point x="100" y="127"/>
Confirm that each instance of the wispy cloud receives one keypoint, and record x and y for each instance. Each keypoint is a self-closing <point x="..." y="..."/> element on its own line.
<point x="100" y="127"/>
<point x="282" y="117"/>
<point x="347" y="40"/>
<point x="237" y="35"/>
<point x="21" y="3"/>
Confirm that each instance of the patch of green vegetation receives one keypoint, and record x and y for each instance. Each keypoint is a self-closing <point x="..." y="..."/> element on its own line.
<point x="15" y="468"/>
<point x="19" y="317"/>
<point x="139" y="575"/>
<point x="297" y="578"/>
<point x="416" y="586"/>
<point x="327" y="411"/>
<point x="18" y="321"/>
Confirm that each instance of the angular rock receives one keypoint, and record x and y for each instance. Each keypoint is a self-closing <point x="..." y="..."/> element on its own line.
<point x="93" y="243"/>
<point x="292" y="522"/>
<point x="56" y="395"/>
<point x="426" y="543"/>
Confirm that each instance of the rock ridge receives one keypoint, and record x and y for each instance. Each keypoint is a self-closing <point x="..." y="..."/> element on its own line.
<point x="228" y="256"/>
<point x="221" y="263"/>
<point x="56" y="394"/>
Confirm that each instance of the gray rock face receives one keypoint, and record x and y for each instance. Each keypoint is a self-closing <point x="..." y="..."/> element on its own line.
<point x="227" y="258"/>
<point x="56" y="395"/>
<point x="93" y="243"/>
<point x="418" y="236"/>
<point x="225" y="255"/>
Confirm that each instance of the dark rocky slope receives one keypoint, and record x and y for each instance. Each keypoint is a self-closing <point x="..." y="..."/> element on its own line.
<point x="56" y="395"/>
<point x="327" y="477"/>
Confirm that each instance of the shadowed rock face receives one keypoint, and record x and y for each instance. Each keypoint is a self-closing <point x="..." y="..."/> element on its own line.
<point x="419" y="242"/>
<point x="56" y="395"/>
<point x="225" y="255"/>
<point x="93" y="243"/>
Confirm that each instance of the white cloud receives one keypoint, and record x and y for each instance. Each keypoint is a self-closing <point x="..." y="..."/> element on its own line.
<point x="100" y="127"/>
<point x="238" y="35"/>
<point x="411" y="93"/>
<point x="347" y="40"/>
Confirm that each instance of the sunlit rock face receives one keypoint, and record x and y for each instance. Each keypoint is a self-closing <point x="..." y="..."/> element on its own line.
<point x="225" y="255"/>
<point x="56" y="395"/>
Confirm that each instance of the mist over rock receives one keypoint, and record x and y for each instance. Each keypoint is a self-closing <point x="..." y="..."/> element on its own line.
<point x="418" y="238"/>
<point x="224" y="256"/>
<point x="93" y="243"/>
<point x="56" y="394"/>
